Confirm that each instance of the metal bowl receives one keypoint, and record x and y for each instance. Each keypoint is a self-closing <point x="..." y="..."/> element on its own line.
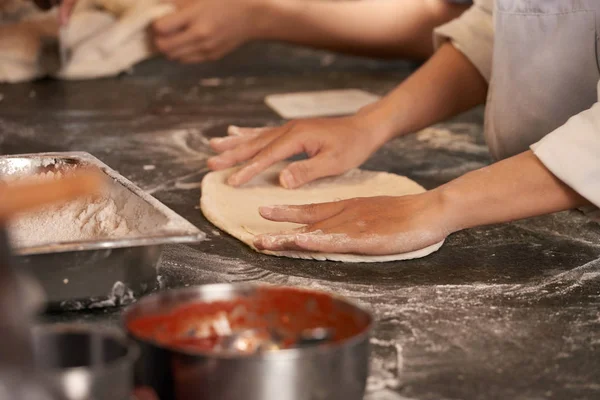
<point x="80" y="362"/>
<point x="334" y="370"/>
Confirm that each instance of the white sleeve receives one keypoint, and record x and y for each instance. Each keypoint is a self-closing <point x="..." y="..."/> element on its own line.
<point x="572" y="153"/>
<point x="472" y="34"/>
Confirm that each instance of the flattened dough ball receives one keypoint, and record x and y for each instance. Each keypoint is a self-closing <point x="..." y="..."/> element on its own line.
<point x="235" y="210"/>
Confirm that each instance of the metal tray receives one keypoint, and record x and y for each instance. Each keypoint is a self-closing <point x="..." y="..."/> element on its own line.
<point x="104" y="272"/>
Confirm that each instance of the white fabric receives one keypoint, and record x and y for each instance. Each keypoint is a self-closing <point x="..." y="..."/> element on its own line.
<point x="572" y="153"/>
<point x="472" y="34"/>
<point x="104" y="38"/>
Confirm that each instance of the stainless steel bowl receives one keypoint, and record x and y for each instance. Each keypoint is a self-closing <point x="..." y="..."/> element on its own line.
<point x="80" y="362"/>
<point x="329" y="371"/>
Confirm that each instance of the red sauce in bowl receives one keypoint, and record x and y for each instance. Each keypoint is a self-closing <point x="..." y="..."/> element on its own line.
<point x="200" y="326"/>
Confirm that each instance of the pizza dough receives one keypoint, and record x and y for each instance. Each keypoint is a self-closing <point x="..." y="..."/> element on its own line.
<point x="235" y="210"/>
<point x="104" y="38"/>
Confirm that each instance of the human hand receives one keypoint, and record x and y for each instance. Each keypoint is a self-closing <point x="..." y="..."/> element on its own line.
<point x="202" y="30"/>
<point x="367" y="226"/>
<point x="144" y="393"/>
<point x="334" y="146"/>
<point x="65" y="10"/>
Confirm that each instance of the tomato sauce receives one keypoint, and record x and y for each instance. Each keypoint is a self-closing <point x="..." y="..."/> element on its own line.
<point x="199" y="326"/>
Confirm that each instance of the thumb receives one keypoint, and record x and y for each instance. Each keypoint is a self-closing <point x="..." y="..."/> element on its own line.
<point x="171" y="23"/>
<point x="233" y="130"/>
<point x="302" y="172"/>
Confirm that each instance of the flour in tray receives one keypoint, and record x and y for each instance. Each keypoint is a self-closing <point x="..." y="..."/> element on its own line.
<point x="114" y="214"/>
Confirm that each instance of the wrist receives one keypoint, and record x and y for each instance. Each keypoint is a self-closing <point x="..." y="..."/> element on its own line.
<point x="270" y="18"/>
<point x="454" y="206"/>
<point x="376" y="120"/>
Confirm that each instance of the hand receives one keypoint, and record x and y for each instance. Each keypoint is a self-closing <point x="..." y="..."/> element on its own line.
<point x="203" y="30"/>
<point x="369" y="226"/>
<point x="333" y="145"/>
<point x="144" y="393"/>
<point x="65" y="10"/>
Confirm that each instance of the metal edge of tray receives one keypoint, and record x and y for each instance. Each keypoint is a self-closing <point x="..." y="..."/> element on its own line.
<point x="188" y="234"/>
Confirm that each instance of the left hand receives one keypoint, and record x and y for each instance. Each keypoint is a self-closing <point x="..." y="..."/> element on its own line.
<point x="367" y="226"/>
<point x="202" y="30"/>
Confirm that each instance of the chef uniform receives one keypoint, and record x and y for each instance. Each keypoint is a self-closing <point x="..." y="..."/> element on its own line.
<point x="541" y="60"/>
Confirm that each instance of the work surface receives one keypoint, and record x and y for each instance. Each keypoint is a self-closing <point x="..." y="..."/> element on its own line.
<point x="509" y="311"/>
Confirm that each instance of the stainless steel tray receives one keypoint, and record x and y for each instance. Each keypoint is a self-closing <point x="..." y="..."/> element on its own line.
<point x="104" y="272"/>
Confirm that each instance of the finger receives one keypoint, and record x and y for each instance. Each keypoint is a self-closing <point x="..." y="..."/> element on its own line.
<point x="144" y="393"/>
<point x="233" y="130"/>
<point x="243" y="153"/>
<point x="322" y="242"/>
<point x="302" y="172"/>
<point x="177" y="44"/>
<point x="222" y="144"/>
<point x="315" y="241"/>
<point x="303" y="214"/>
<point x="236" y="136"/>
<point x="196" y="59"/>
<point x="277" y="150"/>
<point x="172" y="23"/>
<point x="66" y="8"/>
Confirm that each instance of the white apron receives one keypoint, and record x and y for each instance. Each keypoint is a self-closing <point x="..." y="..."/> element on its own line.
<point x="545" y="69"/>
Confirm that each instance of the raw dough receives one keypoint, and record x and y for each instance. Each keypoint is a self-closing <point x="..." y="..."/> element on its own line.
<point x="235" y="210"/>
<point x="104" y="38"/>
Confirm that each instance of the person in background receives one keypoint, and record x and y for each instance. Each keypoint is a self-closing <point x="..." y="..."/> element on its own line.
<point x="533" y="62"/>
<point x="202" y="30"/>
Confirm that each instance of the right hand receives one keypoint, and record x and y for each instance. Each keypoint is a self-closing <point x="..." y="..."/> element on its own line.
<point x="333" y="146"/>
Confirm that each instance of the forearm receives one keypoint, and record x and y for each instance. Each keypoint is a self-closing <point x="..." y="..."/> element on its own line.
<point x="512" y="189"/>
<point x="444" y="86"/>
<point x="375" y="28"/>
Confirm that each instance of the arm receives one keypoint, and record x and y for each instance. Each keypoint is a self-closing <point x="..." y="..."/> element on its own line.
<point x="375" y="28"/>
<point x="516" y="188"/>
<point x="445" y="86"/>
<point x="208" y="29"/>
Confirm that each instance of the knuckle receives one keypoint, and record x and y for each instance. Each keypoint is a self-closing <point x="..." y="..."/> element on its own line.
<point x="311" y="209"/>
<point x="212" y="56"/>
<point x="201" y="32"/>
<point x="300" y="171"/>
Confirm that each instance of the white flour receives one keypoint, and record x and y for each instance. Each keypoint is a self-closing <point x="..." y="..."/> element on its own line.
<point x="114" y="214"/>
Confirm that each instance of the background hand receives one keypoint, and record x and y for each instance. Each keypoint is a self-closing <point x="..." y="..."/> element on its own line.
<point x="202" y="30"/>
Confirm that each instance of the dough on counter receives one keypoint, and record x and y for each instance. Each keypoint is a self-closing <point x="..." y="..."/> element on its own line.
<point x="104" y="37"/>
<point x="235" y="210"/>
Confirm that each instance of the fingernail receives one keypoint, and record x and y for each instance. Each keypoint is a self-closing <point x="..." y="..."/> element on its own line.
<point x="234" y="179"/>
<point x="234" y="130"/>
<point x="302" y="239"/>
<point x="264" y="241"/>
<point x="286" y="179"/>
<point x="217" y="140"/>
<point x="266" y="211"/>
<point x="214" y="161"/>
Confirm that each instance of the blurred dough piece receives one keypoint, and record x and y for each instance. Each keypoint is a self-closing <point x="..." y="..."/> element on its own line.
<point x="235" y="210"/>
<point x="105" y="37"/>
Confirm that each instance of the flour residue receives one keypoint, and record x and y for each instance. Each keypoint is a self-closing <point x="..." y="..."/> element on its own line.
<point x="447" y="139"/>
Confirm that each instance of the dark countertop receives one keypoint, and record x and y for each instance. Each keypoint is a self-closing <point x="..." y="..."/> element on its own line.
<point x="510" y="311"/>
